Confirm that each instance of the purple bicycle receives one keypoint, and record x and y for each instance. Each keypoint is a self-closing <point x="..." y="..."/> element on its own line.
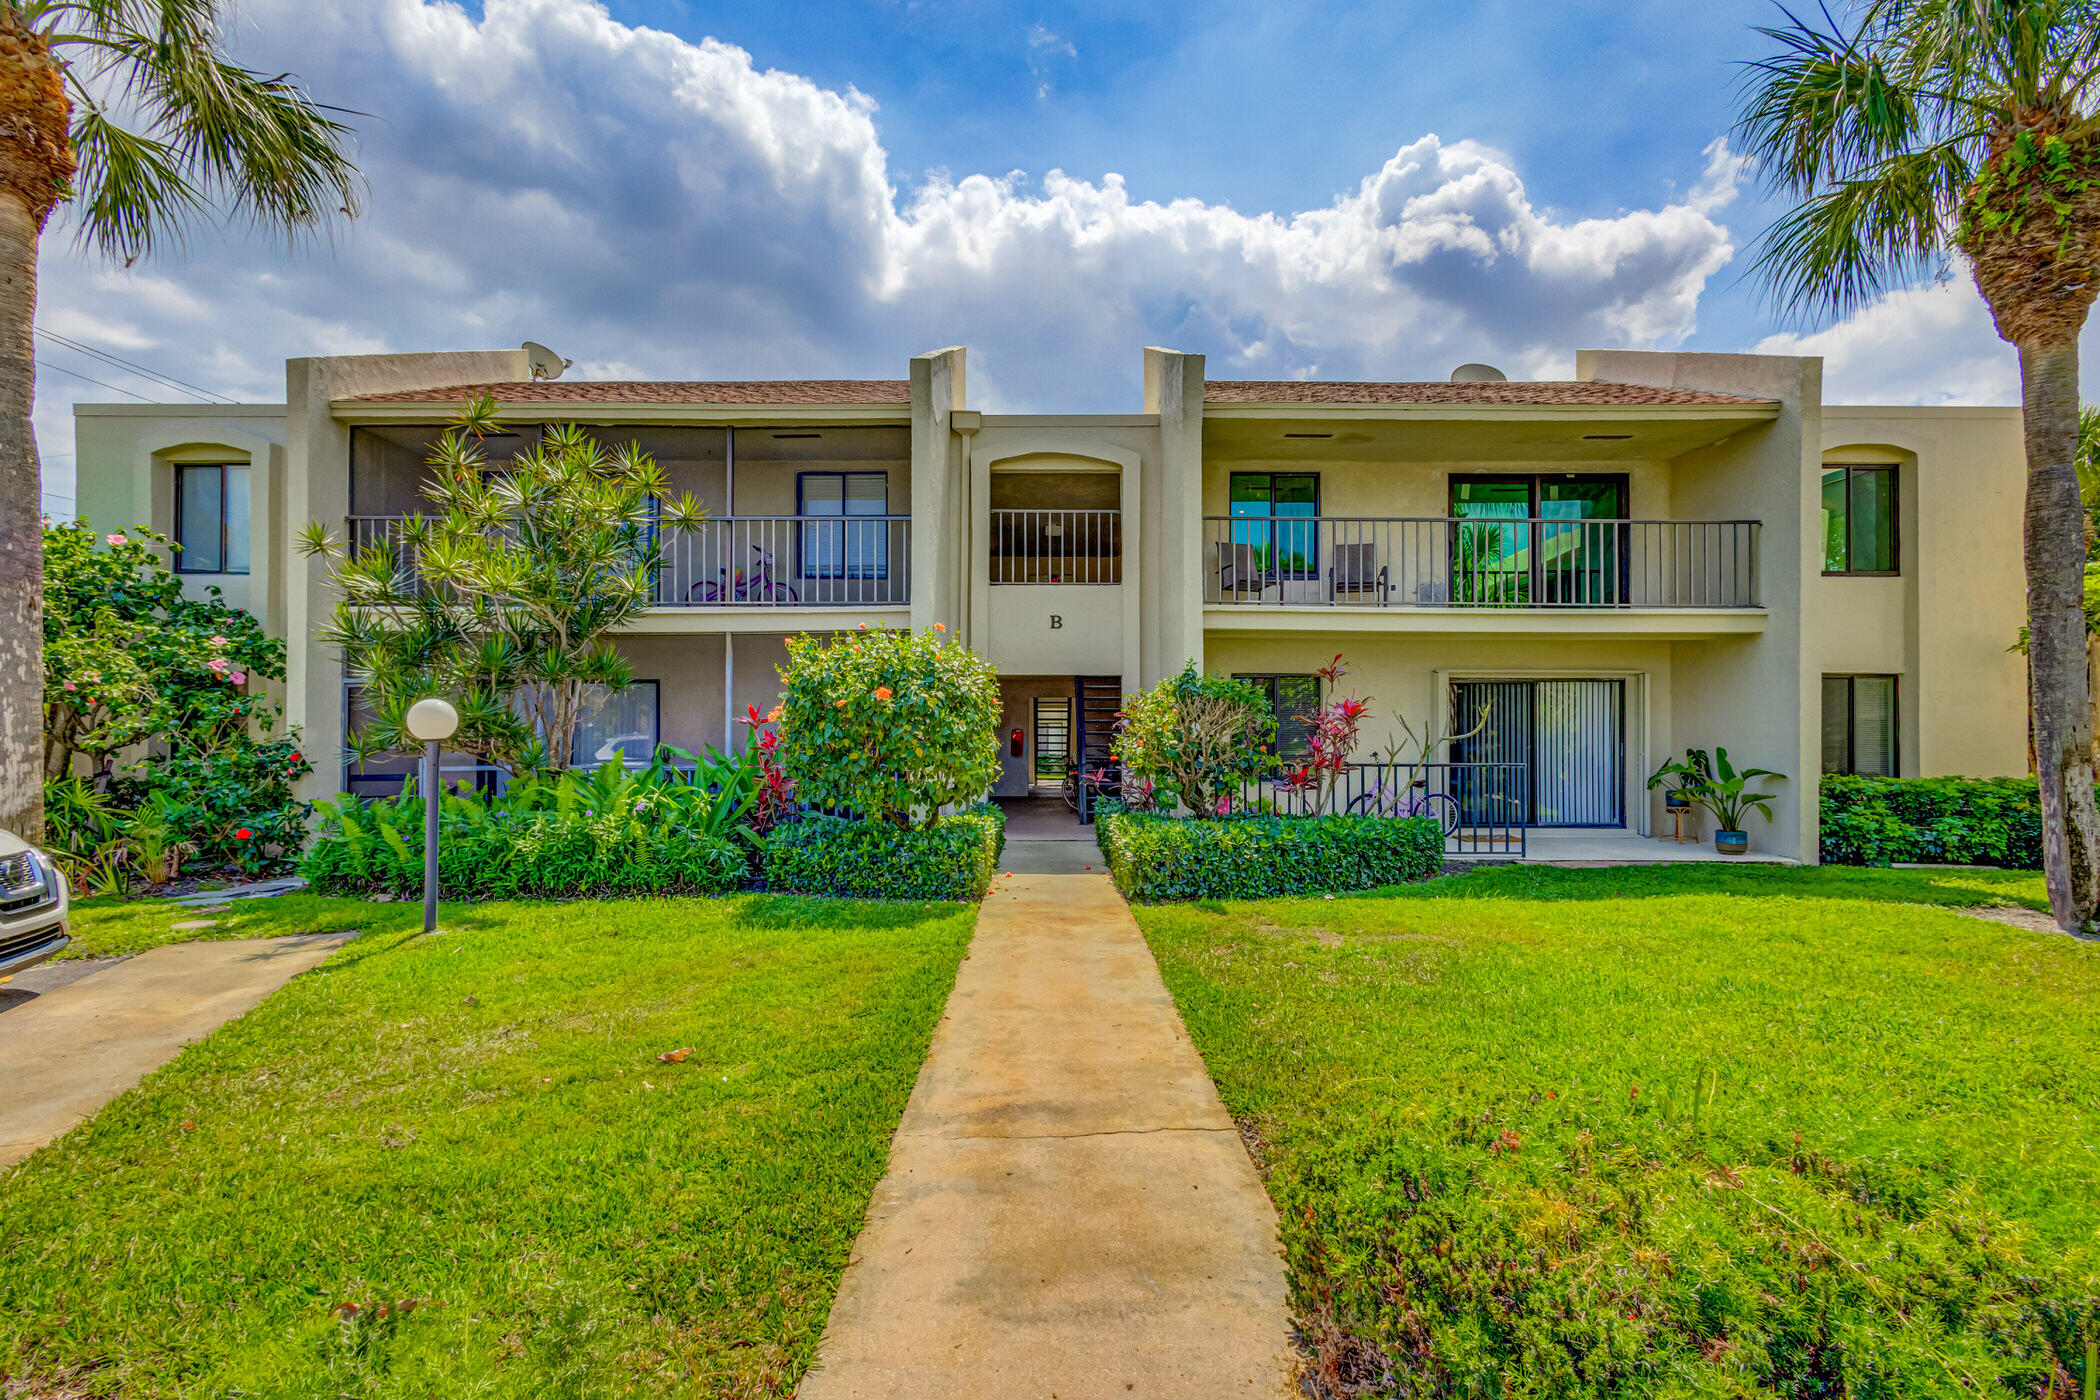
<point x="759" y="586"/>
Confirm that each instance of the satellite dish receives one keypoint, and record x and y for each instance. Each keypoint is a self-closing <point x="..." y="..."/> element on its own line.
<point x="1477" y="374"/>
<point x="545" y="363"/>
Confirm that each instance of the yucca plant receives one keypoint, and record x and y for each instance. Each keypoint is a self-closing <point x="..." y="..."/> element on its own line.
<point x="1913" y="133"/>
<point x="133" y="113"/>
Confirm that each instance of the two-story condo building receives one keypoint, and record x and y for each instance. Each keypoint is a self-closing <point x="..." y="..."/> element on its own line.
<point x="1668" y="550"/>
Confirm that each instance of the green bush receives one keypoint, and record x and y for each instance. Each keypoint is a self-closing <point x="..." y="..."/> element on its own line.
<point x="888" y="725"/>
<point x="611" y="832"/>
<point x="1194" y="741"/>
<point x="817" y="854"/>
<point x="1155" y="858"/>
<point x="1959" y="821"/>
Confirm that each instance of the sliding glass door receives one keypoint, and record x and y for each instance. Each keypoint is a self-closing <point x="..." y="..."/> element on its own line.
<point x="1572" y="736"/>
<point x="1538" y="541"/>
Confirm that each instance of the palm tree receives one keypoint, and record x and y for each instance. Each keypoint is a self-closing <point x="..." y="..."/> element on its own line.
<point x="131" y="110"/>
<point x="1913" y="131"/>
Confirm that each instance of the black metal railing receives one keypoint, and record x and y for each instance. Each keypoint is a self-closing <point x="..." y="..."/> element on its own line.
<point x="1483" y="562"/>
<point x="1057" y="546"/>
<point x="747" y="561"/>
<point x="1479" y="805"/>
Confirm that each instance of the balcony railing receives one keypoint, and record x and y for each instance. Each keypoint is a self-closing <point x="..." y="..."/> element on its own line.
<point x="1057" y="546"/>
<point x="1480" y="562"/>
<point x="756" y="561"/>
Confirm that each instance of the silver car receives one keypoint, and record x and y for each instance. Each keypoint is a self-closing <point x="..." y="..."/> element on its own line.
<point x="33" y="902"/>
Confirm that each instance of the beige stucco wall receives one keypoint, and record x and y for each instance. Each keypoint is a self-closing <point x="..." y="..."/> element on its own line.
<point x="1943" y="626"/>
<point x="1753" y="695"/>
<point x="126" y="455"/>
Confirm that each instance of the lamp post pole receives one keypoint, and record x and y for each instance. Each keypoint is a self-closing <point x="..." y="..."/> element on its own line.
<point x="433" y="721"/>
<point x="430" y="836"/>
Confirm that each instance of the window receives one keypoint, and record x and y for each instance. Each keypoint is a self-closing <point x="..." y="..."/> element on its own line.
<point x="1278" y="514"/>
<point x="849" y="548"/>
<point x="622" y="726"/>
<point x="1291" y="700"/>
<point x="1859" y="520"/>
<point x="1859" y="725"/>
<point x="1550" y="540"/>
<point x="211" y="518"/>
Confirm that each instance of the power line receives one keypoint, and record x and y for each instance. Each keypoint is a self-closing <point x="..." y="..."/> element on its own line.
<point x="92" y="380"/>
<point x="119" y="362"/>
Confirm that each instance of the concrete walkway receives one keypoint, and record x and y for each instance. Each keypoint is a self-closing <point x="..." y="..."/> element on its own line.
<point x="1069" y="1212"/>
<point x="75" y="1048"/>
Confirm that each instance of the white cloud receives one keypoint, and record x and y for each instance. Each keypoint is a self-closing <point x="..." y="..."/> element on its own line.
<point x="655" y="206"/>
<point x="1932" y="344"/>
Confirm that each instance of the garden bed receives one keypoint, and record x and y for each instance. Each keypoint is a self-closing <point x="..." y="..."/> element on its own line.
<point x="1156" y="858"/>
<point x="1693" y="1130"/>
<point x="480" y="1123"/>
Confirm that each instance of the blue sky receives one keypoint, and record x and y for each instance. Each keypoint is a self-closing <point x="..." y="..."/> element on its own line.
<point x="663" y="188"/>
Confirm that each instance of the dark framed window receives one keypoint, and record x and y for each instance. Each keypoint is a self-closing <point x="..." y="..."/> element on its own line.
<point x="1859" y="520"/>
<point x="1292" y="700"/>
<point x="1860" y="725"/>
<point x="627" y="726"/>
<point x="848" y="547"/>
<point x="211" y="517"/>
<point x="1278" y="513"/>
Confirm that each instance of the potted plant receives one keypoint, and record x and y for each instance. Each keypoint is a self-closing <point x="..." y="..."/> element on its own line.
<point x="1724" y="792"/>
<point x="1680" y="778"/>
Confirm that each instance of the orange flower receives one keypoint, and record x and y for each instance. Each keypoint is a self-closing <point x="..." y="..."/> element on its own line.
<point x="840" y="706"/>
<point x="773" y="715"/>
<point x="940" y="627"/>
<point x="882" y="692"/>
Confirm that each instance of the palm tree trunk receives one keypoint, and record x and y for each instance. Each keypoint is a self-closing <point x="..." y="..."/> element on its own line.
<point x="21" y="534"/>
<point x="2055" y="551"/>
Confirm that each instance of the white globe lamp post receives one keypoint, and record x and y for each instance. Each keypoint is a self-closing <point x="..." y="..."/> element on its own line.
<point x="432" y="721"/>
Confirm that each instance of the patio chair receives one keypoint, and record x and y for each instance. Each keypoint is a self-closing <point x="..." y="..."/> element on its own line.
<point x="1355" y="569"/>
<point x="1239" y="571"/>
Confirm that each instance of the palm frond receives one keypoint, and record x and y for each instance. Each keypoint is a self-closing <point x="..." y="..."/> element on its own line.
<point x="210" y="134"/>
<point x="1854" y="240"/>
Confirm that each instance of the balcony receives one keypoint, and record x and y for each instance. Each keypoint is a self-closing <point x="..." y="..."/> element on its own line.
<point x="1480" y="563"/>
<point x="756" y="561"/>
<point x="1057" y="546"/>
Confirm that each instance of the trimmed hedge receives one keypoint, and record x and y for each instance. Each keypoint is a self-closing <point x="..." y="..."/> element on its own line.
<point x="954" y="859"/>
<point x="1958" y="821"/>
<point x="1155" y="858"/>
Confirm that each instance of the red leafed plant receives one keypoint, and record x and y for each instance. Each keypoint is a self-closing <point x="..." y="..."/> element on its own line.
<point x="1331" y="739"/>
<point x="775" y="793"/>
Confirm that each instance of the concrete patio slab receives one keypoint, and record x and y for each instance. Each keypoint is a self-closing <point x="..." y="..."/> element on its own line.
<point x="1069" y="1211"/>
<point x="75" y="1048"/>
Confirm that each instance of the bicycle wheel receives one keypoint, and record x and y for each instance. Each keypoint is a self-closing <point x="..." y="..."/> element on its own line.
<point x="1071" y="787"/>
<point x="1366" y="803"/>
<point x="1444" y="807"/>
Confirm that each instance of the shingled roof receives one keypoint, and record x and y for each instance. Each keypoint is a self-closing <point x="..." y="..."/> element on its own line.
<point x="794" y="392"/>
<point x="1547" y="392"/>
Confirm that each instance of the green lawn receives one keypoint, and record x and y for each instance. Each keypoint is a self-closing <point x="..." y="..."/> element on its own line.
<point x="1691" y="1131"/>
<point x="108" y="927"/>
<point x="479" y="1122"/>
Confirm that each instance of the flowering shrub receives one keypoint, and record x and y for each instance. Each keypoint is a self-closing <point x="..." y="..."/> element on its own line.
<point x="888" y="725"/>
<point x="1195" y="740"/>
<point x="130" y="661"/>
